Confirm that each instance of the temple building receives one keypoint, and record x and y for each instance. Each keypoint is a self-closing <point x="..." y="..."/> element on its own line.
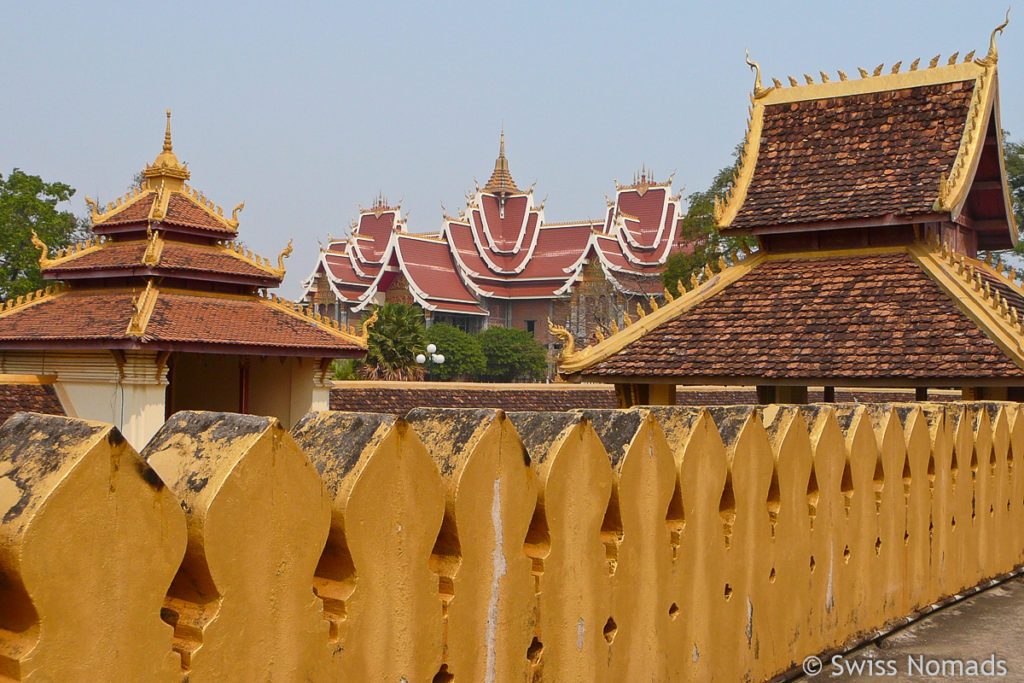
<point x="870" y="199"/>
<point x="499" y="263"/>
<point x="163" y="311"/>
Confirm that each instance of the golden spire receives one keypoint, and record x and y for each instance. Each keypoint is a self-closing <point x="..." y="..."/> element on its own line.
<point x="501" y="180"/>
<point x="167" y="135"/>
<point x="166" y="168"/>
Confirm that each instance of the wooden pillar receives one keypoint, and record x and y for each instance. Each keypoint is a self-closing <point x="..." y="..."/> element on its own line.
<point x="630" y="395"/>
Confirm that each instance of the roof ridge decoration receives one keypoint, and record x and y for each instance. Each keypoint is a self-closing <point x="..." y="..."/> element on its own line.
<point x="954" y="192"/>
<point x="115" y="207"/>
<point x="501" y="180"/>
<point x="971" y="292"/>
<point x="68" y="253"/>
<point x="32" y="298"/>
<point x="142" y="310"/>
<point x="643" y="180"/>
<point x="320" y="321"/>
<point x="702" y="288"/>
<point x="154" y="248"/>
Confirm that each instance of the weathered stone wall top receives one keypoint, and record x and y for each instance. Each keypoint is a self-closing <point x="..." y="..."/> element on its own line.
<point x="670" y="543"/>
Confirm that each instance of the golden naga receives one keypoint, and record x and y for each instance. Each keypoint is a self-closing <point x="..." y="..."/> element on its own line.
<point x="367" y="324"/>
<point x="44" y="251"/>
<point x="565" y="336"/>
<point x="283" y="255"/>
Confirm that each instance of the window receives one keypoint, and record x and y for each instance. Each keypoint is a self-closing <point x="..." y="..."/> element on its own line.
<point x="530" y="325"/>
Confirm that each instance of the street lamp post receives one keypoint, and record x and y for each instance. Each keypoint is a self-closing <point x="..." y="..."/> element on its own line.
<point x="432" y="357"/>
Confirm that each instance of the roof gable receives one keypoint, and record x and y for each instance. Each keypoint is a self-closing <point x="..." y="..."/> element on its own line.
<point x="899" y="146"/>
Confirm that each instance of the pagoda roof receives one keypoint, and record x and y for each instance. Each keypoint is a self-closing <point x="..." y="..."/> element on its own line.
<point x="157" y="256"/>
<point x="164" y="273"/>
<point x="501" y="247"/>
<point x="895" y="315"/>
<point x="154" y="318"/>
<point x="900" y="147"/>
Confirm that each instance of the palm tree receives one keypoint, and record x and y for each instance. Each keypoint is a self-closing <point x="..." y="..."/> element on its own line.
<point x="395" y="339"/>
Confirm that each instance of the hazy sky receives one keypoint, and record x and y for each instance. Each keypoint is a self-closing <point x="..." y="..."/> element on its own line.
<point x="305" y="110"/>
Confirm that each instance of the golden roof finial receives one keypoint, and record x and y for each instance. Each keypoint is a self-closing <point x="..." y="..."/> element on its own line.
<point x="759" y="90"/>
<point x="167" y="134"/>
<point x="166" y="168"/>
<point x="285" y="253"/>
<point x="501" y="180"/>
<point x="44" y="252"/>
<point x="993" y="55"/>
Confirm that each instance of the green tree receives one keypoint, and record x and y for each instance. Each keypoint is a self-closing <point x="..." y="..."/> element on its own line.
<point x="1013" y="155"/>
<point x="512" y="355"/>
<point x="395" y="339"/>
<point x="698" y="229"/>
<point x="463" y="356"/>
<point x="346" y="369"/>
<point x="26" y="204"/>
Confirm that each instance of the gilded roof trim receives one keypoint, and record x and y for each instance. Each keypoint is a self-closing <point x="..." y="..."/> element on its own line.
<point x="572" y="361"/>
<point x="952" y="192"/>
<point x="959" y="278"/>
<point x="20" y="303"/>
<point x="142" y="311"/>
<point x="324" y="323"/>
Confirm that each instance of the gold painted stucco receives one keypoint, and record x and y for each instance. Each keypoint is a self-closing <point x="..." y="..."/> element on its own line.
<point x="669" y="543"/>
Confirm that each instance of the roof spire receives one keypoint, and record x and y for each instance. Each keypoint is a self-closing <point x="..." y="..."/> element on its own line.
<point x="501" y="180"/>
<point x="166" y="169"/>
<point x="167" y="135"/>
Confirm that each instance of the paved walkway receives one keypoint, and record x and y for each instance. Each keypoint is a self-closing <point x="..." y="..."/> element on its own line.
<point x="978" y="639"/>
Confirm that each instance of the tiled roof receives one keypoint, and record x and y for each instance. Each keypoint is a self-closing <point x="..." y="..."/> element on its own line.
<point x="855" y="316"/>
<point x="136" y="212"/>
<point x="399" y="398"/>
<point x="858" y="156"/>
<point x="249" y="321"/>
<point x="175" y="258"/>
<point x="178" y="319"/>
<point x="32" y="398"/>
<point x="182" y="210"/>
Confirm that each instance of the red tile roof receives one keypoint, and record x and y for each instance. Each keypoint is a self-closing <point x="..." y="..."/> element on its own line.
<point x="136" y="212"/>
<point x="179" y="320"/>
<point x="32" y="398"/>
<point x="182" y="210"/>
<point x="857" y="156"/>
<point x="176" y="258"/>
<point x="877" y="316"/>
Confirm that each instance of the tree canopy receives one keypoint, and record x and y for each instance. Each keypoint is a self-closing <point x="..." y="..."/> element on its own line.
<point x="463" y="357"/>
<point x="1013" y="154"/>
<point x="395" y="339"/>
<point x="512" y="354"/>
<point x="28" y="203"/>
<point x="698" y="229"/>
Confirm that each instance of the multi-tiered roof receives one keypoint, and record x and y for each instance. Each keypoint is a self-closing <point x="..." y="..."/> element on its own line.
<point x="499" y="247"/>
<point x="164" y="272"/>
<point x="870" y="199"/>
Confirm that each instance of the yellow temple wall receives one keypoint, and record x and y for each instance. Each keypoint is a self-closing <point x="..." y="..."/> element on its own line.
<point x="673" y="543"/>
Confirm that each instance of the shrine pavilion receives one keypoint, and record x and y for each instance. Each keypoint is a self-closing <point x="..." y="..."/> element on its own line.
<point x="498" y="262"/>
<point x="870" y="199"/>
<point x="163" y="311"/>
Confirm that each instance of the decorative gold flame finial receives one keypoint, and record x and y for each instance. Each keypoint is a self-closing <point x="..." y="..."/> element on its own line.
<point x="759" y="90"/>
<point x="283" y="255"/>
<point x="44" y="252"/>
<point x="565" y="336"/>
<point x="993" y="55"/>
